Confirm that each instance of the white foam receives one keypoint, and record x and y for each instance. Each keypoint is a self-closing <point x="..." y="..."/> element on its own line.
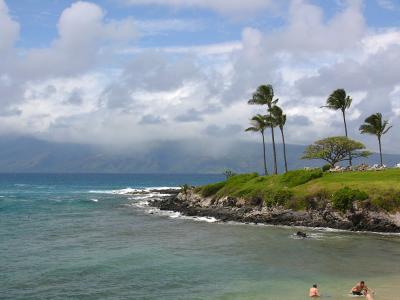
<point x="161" y="188"/>
<point x="94" y="200"/>
<point x="147" y="196"/>
<point x="198" y="219"/>
<point x="116" y="192"/>
<point x="318" y="230"/>
<point x="177" y="215"/>
<point x="206" y="219"/>
<point x="140" y="204"/>
<point x="130" y="190"/>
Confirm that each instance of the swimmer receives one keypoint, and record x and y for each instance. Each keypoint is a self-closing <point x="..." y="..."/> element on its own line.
<point x="314" y="293"/>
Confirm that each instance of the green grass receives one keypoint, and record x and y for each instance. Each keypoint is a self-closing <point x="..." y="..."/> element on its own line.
<point x="295" y="188"/>
<point x="372" y="182"/>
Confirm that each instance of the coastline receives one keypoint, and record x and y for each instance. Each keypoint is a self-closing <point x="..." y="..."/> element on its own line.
<point x="230" y="209"/>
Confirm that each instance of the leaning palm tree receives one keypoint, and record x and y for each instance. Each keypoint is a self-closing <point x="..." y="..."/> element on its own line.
<point x="259" y="124"/>
<point x="376" y="126"/>
<point x="279" y="119"/>
<point x="264" y="95"/>
<point x="338" y="100"/>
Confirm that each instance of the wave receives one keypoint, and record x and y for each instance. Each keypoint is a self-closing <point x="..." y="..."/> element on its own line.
<point x="145" y="205"/>
<point x="316" y="232"/>
<point x="129" y="190"/>
<point x="178" y="215"/>
<point x="146" y="196"/>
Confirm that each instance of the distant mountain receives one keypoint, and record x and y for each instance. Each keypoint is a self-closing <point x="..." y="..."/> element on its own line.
<point x="24" y="154"/>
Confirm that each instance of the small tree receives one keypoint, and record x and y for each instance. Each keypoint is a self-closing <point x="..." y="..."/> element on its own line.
<point x="279" y="119"/>
<point x="259" y="124"/>
<point x="264" y="95"/>
<point x="339" y="100"/>
<point x="335" y="149"/>
<point x="375" y="125"/>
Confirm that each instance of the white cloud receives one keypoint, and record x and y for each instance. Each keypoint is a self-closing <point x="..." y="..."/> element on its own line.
<point x="200" y="50"/>
<point x="164" y="26"/>
<point x="381" y="41"/>
<point x="388" y="4"/>
<point x="222" y="6"/>
<point x="308" y="30"/>
<point x="9" y="30"/>
<point x="82" y="32"/>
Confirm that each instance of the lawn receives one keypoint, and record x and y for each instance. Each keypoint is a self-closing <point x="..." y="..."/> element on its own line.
<point x="295" y="187"/>
<point x="373" y="182"/>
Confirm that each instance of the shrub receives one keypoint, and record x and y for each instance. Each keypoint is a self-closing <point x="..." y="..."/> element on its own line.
<point x="212" y="189"/>
<point x="298" y="177"/>
<point x="343" y="199"/>
<point x="326" y="168"/>
<point x="315" y="199"/>
<point x="389" y="201"/>
<point x="278" y="197"/>
<point x="185" y="188"/>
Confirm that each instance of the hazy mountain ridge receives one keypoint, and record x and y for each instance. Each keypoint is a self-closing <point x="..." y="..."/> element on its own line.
<point x="25" y="154"/>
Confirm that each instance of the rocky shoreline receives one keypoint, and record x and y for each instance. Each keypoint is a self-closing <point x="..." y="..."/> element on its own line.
<point x="190" y="203"/>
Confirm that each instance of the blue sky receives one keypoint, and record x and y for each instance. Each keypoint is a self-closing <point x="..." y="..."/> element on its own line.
<point x="38" y="20"/>
<point x="133" y="72"/>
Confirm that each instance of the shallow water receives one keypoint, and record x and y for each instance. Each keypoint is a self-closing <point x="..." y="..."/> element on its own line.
<point x="81" y="237"/>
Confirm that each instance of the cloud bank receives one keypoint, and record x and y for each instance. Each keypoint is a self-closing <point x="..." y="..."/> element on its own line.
<point x="95" y="83"/>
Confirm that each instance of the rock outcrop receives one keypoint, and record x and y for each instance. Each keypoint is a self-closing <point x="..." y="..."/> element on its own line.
<point x="358" y="218"/>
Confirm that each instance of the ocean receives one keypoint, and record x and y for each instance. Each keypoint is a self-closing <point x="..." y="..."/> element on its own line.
<point x="76" y="236"/>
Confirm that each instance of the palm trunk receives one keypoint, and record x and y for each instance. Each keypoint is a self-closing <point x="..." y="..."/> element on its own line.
<point x="345" y="130"/>
<point x="265" y="160"/>
<point x="380" y="149"/>
<point x="284" y="149"/>
<point x="274" y="149"/>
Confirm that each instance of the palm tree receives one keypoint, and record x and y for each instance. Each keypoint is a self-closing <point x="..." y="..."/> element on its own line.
<point x="259" y="124"/>
<point x="376" y="126"/>
<point x="264" y="95"/>
<point x="338" y="100"/>
<point x="279" y="119"/>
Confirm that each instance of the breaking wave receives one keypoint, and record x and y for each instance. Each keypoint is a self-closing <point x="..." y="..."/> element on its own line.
<point x="134" y="191"/>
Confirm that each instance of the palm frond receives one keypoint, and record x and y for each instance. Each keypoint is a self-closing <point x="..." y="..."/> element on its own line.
<point x="367" y="129"/>
<point x="258" y="122"/>
<point x="254" y="129"/>
<point x="279" y="119"/>
<point x="387" y="129"/>
<point x="264" y="95"/>
<point x="375" y="125"/>
<point x="338" y="100"/>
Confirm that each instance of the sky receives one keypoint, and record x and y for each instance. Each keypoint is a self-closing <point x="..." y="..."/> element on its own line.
<point x="128" y="73"/>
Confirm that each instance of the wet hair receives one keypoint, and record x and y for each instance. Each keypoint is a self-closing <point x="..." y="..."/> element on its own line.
<point x="362" y="282"/>
<point x="314" y="285"/>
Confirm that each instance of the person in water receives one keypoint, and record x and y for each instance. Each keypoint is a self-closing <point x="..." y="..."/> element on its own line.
<point x="314" y="293"/>
<point x="360" y="289"/>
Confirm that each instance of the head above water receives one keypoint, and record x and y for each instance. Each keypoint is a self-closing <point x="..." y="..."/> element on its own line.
<point x="362" y="283"/>
<point x="315" y="285"/>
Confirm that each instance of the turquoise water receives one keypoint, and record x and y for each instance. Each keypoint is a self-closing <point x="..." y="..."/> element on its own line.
<point x="83" y="237"/>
